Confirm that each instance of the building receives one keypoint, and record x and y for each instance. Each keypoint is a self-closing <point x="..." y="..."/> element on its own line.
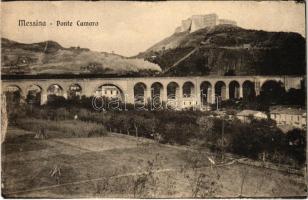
<point x="108" y="91"/>
<point x="188" y="103"/>
<point x="288" y="117"/>
<point x="197" y="22"/>
<point x="247" y="115"/>
<point x="202" y="21"/>
<point x="186" y="25"/>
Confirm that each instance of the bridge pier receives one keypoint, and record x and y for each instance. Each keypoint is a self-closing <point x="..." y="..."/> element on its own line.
<point x="227" y="93"/>
<point x="148" y="93"/>
<point x="257" y="88"/>
<point x="213" y="96"/>
<point x="164" y="97"/>
<point x="43" y="98"/>
<point x="241" y="91"/>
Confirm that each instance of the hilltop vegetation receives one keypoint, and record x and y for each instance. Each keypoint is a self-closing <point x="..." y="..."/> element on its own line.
<point x="230" y="50"/>
<point x="51" y="58"/>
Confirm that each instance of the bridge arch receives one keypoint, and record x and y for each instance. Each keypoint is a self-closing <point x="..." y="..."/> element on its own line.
<point x="271" y="84"/>
<point x="234" y="90"/>
<point x="55" y="93"/>
<point x="188" y="89"/>
<point x="272" y="90"/>
<point x="74" y="91"/>
<point x="173" y="90"/>
<point x="55" y="89"/>
<point x="173" y="95"/>
<point x="156" y="93"/>
<point x="109" y="91"/>
<point x="249" y="92"/>
<point x="13" y="94"/>
<point x="140" y="89"/>
<point x="206" y="92"/>
<point x="34" y="94"/>
<point x="221" y="90"/>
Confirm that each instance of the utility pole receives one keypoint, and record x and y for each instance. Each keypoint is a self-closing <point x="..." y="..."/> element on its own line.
<point x="222" y="138"/>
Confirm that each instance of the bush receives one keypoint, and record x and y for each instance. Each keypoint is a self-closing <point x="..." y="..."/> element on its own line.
<point x="69" y="128"/>
<point x="259" y="139"/>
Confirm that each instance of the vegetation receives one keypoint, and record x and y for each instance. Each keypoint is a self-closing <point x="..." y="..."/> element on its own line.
<point x="272" y="93"/>
<point x="51" y="58"/>
<point x="231" y="50"/>
<point x="258" y="140"/>
<point x="68" y="128"/>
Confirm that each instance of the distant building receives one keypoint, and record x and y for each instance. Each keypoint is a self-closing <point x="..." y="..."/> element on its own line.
<point x="197" y="22"/>
<point x="186" y="25"/>
<point x="188" y="103"/>
<point x="202" y="21"/>
<point x="108" y="91"/>
<point x="288" y="117"/>
<point x="247" y="115"/>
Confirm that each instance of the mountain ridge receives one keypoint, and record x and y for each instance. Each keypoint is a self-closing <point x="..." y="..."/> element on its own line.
<point x="49" y="57"/>
<point x="230" y="50"/>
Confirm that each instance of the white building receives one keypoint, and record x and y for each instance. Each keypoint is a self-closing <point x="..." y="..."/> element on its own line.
<point x="197" y="22"/>
<point x="108" y="91"/>
<point x="202" y="21"/>
<point x="247" y="115"/>
<point x="289" y="117"/>
<point x="188" y="103"/>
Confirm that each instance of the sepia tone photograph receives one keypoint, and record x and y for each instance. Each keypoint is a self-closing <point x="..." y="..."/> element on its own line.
<point x="173" y="99"/>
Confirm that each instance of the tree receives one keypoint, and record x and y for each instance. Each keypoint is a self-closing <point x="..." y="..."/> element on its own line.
<point x="296" y="139"/>
<point x="206" y="125"/>
<point x="137" y="122"/>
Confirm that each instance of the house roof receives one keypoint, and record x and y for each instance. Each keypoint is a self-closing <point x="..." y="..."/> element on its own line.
<point x="249" y="112"/>
<point x="287" y="110"/>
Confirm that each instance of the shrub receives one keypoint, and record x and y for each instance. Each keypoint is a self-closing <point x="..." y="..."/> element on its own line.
<point x="69" y="128"/>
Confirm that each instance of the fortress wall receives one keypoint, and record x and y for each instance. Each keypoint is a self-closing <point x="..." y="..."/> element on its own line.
<point x="202" y="21"/>
<point x="197" y="22"/>
<point x="186" y="25"/>
<point x="226" y="21"/>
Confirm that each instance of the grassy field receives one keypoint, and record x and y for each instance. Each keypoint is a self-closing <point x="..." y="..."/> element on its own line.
<point x="122" y="166"/>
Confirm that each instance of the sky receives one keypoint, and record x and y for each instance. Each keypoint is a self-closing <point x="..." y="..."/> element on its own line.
<point x="127" y="28"/>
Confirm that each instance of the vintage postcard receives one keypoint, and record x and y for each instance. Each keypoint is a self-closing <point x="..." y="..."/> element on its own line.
<point x="173" y="99"/>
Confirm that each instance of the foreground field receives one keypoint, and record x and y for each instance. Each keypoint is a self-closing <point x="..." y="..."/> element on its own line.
<point x="122" y="166"/>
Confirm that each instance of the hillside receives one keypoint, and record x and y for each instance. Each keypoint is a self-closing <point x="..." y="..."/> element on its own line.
<point x="229" y="50"/>
<point x="51" y="58"/>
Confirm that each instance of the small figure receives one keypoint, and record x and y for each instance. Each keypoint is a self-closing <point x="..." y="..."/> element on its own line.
<point x="56" y="172"/>
<point x="41" y="134"/>
<point x="76" y="117"/>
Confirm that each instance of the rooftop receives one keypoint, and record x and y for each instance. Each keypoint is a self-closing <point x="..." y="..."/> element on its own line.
<point x="287" y="110"/>
<point x="249" y="112"/>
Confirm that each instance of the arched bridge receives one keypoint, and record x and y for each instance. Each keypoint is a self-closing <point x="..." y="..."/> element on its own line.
<point x="191" y="90"/>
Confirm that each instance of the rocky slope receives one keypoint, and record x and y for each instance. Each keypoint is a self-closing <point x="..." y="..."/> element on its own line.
<point x="229" y="50"/>
<point x="51" y="58"/>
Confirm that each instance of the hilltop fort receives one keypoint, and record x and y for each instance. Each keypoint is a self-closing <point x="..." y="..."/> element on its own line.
<point x="197" y="22"/>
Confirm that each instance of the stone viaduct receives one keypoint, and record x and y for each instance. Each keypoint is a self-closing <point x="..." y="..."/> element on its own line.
<point x="196" y="90"/>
